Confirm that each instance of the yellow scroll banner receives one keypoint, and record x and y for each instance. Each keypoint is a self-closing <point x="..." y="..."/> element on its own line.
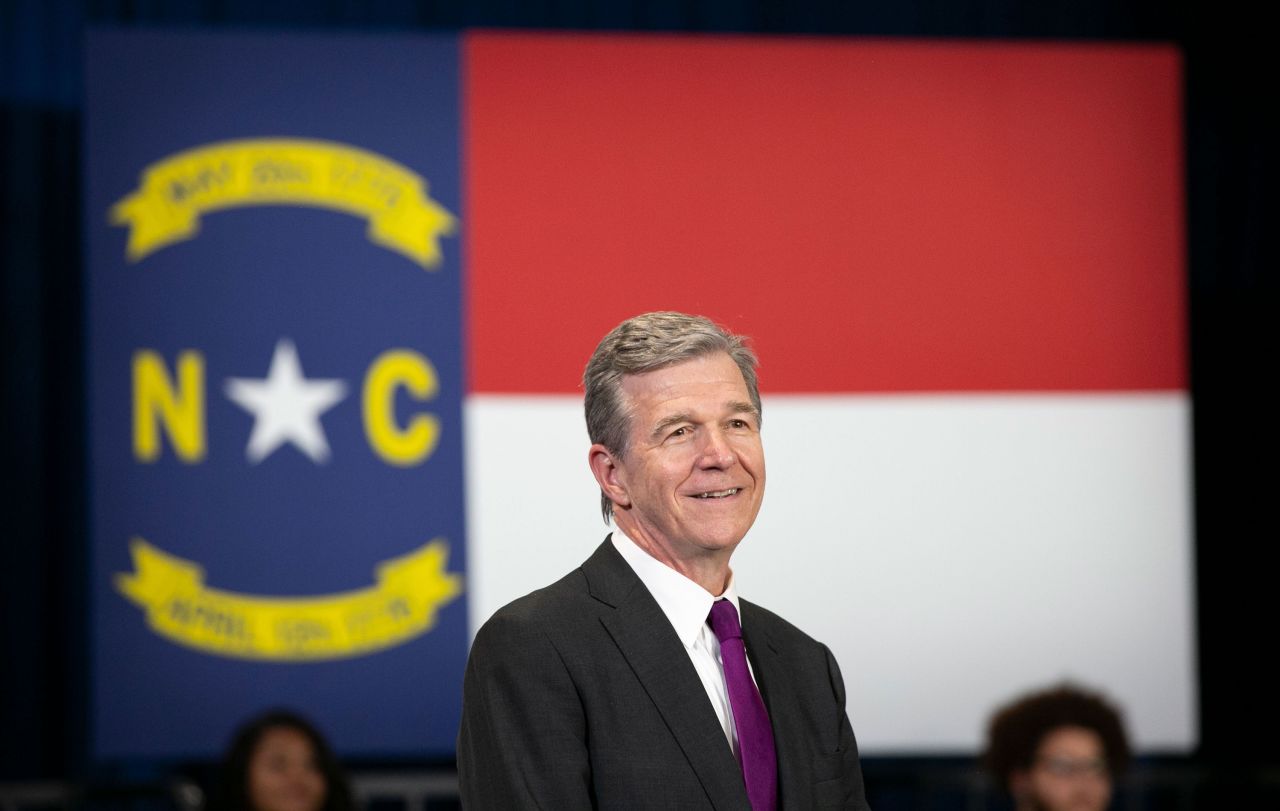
<point x="401" y="605"/>
<point x="174" y="192"/>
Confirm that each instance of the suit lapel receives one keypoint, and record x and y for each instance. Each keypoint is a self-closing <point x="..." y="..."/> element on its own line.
<point x="650" y="645"/>
<point x="775" y="685"/>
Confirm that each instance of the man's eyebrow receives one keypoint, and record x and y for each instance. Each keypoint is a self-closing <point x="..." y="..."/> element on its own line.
<point x="735" y="407"/>
<point x="739" y="407"/>
<point x="667" y="422"/>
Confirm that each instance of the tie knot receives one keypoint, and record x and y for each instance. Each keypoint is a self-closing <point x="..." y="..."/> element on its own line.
<point x="724" y="621"/>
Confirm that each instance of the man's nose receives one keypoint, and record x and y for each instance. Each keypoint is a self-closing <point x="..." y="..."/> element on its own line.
<point x="717" y="450"/>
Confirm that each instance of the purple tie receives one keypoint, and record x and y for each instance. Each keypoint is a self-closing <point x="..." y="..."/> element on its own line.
<point x="755" y="736"/>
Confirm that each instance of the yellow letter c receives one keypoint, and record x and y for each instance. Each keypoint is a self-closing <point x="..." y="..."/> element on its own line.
<point x="412" y="444"/>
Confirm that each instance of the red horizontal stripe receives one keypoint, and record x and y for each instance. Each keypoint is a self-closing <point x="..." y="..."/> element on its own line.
<point x="878" y="215"/>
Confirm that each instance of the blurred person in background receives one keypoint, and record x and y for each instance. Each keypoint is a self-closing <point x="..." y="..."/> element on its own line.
<point x="279" y="761"/>
<point x="1058" y="750"/>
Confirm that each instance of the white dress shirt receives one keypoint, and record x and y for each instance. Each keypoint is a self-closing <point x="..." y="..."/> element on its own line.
<point x="687" y="605"/>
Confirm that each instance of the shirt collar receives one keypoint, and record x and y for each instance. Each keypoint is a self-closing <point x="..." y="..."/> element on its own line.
<point x="685" y="603"/>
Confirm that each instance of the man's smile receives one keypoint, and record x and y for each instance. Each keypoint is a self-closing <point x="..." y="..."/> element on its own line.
<point x="718" y="493"/>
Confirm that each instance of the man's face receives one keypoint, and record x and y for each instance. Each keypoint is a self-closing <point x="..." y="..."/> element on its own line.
<point x="692" y="479"/>
<point x="1069" y="773"/>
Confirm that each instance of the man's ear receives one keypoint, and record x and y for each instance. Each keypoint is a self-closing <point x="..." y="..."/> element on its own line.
<point x="604" y="466"/>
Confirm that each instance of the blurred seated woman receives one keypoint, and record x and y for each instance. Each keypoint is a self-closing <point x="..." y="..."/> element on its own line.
<point x="278" y="761"/>
<point x="1058" y="750"/>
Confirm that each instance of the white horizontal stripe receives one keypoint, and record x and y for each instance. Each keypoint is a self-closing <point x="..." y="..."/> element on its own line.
<point x="985" y="544"/>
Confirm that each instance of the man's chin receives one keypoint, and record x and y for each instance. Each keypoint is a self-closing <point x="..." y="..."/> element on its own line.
<point x="725" y="540"/>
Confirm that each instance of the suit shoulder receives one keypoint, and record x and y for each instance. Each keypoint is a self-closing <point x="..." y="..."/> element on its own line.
<point x="547" y="607"/>
<point x="806" y="654"/>
<point x="777" y="628"/>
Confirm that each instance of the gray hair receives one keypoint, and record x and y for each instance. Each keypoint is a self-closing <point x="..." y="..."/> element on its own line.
<point x="646" y="343"/>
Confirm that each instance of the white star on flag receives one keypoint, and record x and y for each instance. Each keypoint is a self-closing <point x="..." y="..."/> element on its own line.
<point x="286" y="407"/>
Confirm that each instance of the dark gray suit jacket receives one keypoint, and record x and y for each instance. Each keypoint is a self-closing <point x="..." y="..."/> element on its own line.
<point x="581" y="696"/>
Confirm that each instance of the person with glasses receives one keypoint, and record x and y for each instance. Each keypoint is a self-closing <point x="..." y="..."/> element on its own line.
<point x="1060" y="749"/>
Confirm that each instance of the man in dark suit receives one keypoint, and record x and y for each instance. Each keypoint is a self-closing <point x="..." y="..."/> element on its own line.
<point x="625" y="685"/>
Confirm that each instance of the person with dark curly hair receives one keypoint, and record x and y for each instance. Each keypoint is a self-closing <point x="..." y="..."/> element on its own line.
<point x="279" y="761"/>
<point x="1058" y="750"/>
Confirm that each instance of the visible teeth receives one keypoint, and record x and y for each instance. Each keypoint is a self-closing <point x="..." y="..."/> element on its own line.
<point x="718" y="493"/>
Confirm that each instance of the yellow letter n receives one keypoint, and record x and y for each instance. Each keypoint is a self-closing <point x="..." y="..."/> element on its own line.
<point x="157" y="402"/>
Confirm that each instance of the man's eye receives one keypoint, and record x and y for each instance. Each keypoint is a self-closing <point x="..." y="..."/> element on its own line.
<point x="680" y="431"/>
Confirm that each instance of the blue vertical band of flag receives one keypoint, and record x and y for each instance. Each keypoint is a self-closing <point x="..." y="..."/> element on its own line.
<point x="255" y="278"/>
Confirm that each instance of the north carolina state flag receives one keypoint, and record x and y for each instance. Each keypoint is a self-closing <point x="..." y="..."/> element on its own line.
<point x="341" y="290"/>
